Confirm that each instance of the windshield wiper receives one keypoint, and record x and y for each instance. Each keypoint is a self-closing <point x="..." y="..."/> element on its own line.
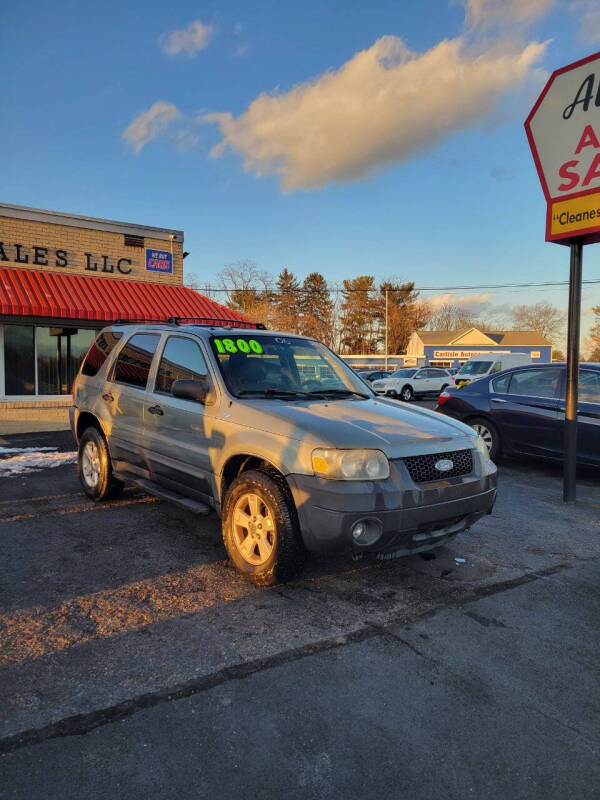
<point x="278" y="393"/>
<point x="341" y="393"/>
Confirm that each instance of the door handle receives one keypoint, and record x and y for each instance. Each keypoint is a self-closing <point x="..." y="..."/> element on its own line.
<point x="498" y="400"/>
<point x="108" y="397"/>
<point x="156" y="410"/>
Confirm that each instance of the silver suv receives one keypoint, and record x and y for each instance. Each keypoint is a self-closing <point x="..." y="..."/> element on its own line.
<point x="278" y="436"/>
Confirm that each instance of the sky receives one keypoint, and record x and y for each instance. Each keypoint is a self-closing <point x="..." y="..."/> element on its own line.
<point x="349" y="138"/>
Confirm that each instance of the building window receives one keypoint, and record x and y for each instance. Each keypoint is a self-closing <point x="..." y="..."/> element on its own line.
<point x="42" y="361"/>
<point x="47" y="362"/>
<point x="19" y="360"/>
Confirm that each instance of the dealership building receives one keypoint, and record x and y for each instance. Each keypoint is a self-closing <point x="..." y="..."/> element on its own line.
<point x="453" y="348"/>
<point x="62" y="278"/>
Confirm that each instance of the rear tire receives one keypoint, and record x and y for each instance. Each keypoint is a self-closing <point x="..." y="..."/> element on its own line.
<point x="407" y="394"/>
<point x="489" y="433"/>
<point x="261" y="531"/>
<point x="95" y="468"/>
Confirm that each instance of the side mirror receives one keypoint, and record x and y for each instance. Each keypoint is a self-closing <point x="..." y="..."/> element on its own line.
<point x="191" y="390"/>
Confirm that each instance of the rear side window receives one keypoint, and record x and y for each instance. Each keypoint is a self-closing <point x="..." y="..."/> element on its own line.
<point x="536" y="382"/>
<point x="99" y="352"/>
<point x="181" y="360"/>
<point x="134" y="360"/>
<point x="501" y="384"/>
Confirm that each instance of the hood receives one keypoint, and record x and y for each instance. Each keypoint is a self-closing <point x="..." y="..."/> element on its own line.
<point x="397" y="430"/>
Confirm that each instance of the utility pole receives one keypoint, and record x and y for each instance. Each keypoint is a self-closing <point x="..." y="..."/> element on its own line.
<point x="386" y="329"/>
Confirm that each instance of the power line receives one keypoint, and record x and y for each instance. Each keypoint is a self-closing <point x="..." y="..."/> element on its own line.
<point x="338" y="289"/>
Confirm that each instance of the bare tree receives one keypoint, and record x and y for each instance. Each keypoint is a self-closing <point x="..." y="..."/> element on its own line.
<point x="595" y="336"/>
<point x="449" y="317"/>
<point x="542" y="317"/>
<point x="192" y="281"/>
<point x="247" y="290"/>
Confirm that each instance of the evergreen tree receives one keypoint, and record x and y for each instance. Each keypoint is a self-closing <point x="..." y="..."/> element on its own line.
<point x="316" y="308"/>
<point x="287" y="300"/>
<point x="359" y="315"/>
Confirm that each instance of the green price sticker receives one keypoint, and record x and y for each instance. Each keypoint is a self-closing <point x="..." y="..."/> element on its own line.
<point x="238" y="345"/>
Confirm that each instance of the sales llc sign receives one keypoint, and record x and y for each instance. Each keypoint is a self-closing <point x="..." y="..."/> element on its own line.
<point x="159" y="261"/>
<point x="564" y="135"/>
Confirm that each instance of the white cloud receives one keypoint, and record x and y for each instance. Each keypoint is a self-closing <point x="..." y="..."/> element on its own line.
<point x="587" y="13"/>
<point x="472" y="302"/>
<point x="149" y="125"/>
<point x="381" y="107"/>
<point x="187" y="41"/>
<point x="494" y="12"/>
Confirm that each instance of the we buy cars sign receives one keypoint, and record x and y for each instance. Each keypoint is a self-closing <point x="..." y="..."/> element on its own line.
<point x="564" y="135"/>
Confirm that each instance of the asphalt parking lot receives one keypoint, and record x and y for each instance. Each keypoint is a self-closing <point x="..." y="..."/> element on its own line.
<point x="135" y="661"/>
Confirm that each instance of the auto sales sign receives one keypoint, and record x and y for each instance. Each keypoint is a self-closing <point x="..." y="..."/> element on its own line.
<point x="159" y="261"/>
<point x="564" y="135"/>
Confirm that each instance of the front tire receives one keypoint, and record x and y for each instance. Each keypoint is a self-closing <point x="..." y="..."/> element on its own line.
<point x="95" y="468"/>
<point x="407" y="394"/>
<point x="261" y="530"/>
<point x="489" y="433"/>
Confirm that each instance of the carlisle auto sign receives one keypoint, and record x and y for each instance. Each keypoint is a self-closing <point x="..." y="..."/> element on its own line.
<point x="564" y="135"/>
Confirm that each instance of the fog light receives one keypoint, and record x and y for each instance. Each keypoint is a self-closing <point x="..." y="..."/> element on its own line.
<point x="366" y="531"/>
<point x="359" y="530"/>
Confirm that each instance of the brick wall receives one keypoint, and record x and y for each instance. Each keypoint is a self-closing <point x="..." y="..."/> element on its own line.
<point x="78" y="241"/>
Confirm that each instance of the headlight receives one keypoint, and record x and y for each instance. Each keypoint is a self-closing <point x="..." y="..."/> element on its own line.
<point x="350" y="465"/>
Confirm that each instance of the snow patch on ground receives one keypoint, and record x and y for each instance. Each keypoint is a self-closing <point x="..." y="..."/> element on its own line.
<point x="4" y="450"/>
<point x="32" y="459"/>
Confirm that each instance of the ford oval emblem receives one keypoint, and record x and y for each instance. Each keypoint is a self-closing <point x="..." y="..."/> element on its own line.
<point x="444" y="465"/>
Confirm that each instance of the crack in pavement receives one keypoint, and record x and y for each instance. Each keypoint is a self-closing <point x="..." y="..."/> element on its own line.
<point x="81" y="724"/>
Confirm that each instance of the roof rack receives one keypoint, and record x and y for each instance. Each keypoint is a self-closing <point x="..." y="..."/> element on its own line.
<point x="203" y="321"/>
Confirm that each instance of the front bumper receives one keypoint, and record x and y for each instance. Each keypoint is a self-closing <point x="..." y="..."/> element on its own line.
<point x="412" y="516"/>
<point x="383" y="389"/>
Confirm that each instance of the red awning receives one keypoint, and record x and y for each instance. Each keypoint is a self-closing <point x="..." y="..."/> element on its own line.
<point x="31" y="293"/>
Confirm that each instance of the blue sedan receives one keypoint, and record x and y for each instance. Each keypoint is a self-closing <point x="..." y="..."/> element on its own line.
<point x="521" y="411"/>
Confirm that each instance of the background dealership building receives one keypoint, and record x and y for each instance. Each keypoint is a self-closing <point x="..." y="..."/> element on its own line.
<point x="453" y="348"/>
<point x="62" y="278"/>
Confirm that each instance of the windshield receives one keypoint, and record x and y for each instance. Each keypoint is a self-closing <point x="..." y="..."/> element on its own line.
<point x="403" y="373"/>
<point x="475" y="368"/>
<point x="281" y="367"/>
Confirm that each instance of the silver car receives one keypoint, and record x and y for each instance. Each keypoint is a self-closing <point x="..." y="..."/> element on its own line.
<point x="279" y="436"/>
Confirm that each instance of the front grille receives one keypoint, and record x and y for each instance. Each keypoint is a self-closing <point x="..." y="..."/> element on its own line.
<point x="422" y="468"/>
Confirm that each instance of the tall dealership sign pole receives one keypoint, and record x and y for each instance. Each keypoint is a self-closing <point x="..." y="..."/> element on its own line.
<point x="563" y="129"/>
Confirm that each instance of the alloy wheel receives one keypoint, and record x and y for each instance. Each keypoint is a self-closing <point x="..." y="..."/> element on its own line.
<point x="253" y="529"/>
<point x="485" y="434"/>
<point x="90" y="464"/>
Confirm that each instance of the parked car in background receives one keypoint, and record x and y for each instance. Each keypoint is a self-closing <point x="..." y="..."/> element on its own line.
<point x="280" y="437"/>
<point x="487" y="364"/>
<point x="521" y="411"/>
<point x="411" y="382"/>
<point x="373" y="374"/>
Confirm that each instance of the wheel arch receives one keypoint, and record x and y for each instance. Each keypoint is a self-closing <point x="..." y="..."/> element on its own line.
<point x="87" y="420"/>
<point x="242" y="462"/>
<point x="485" y="418"/>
